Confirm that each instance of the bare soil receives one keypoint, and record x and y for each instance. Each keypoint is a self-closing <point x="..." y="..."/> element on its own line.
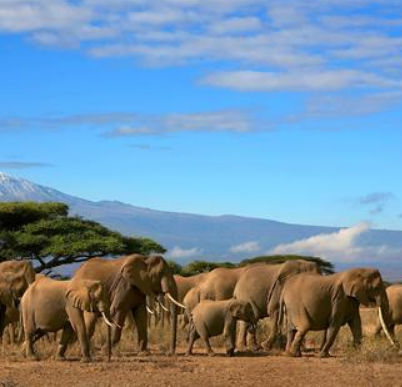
<point x="199" y="370"/>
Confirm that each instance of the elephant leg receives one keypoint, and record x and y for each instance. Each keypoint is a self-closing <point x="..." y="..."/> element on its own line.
<point x="230" y="338"/>
<point x="78" y="324"/>
<point x="65" y="338"/>
<point x="205" y="338"/>
<point x="273" y="331"/>
<point x="290" y="337"/>
<point x="119" y="318"/>
<point x="90" y="323"/>
<point x="193" y="336"/>
<point x="253" y="334"/>
<point x="355" y="326"/>
<point x="242" y="336"/>
<point x="141" y="318"/>
<point x="29" y="342"/>
<point x="295" y="346"/>
<point x="323" y="339"/>
<point x="332" y="331"/>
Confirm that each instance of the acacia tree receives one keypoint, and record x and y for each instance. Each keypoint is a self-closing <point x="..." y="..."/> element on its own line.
<point x="44" y="234"/>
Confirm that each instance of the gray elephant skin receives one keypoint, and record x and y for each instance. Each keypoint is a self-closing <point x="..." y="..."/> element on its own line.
<point x="212" y="318"/>
<point x="49" y="305"/>
<point x="313" y="302"/>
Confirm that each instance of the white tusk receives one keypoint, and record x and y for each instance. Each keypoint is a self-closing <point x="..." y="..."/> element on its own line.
<point x="117" y="325"/>
<point x="149" y="310"/>
<point x="163" y="307"/>
<point x="174" y="301"/>
<point x="384" y="327"/>
<point x="106" y="320"/>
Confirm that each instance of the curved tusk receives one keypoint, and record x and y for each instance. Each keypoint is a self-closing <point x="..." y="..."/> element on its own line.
<point x="384" y="327"/>
<point x="149" y="310"/>
<point x="117" y="325"/>
<point x="163" y="307"/>
<point x="174" y="301"/>
<point x="106" y="320"/>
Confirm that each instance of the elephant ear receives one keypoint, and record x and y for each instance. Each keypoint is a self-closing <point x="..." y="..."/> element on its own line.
<point x="354" y="285"/>
<point x="237" y="309"/>
<point x="78" y="295"/>
<point x="135" y="271"/>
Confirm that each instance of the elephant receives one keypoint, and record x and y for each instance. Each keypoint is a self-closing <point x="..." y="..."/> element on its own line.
<point x="217" y="285"/>
<point x="15" y="281"/>
<point x="50" y="305"/>
<point x="128" y="280"/>
<point x="315" y="303"/>
<point x="22" y="269"/>
<point x="212" y="318"/>
<point x="261" y="285"/>
<point x="394" y="294"/>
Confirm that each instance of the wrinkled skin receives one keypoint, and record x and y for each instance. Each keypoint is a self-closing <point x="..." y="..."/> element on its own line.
<point x="212" y="318"/>
<point x="184" y="285"/>
<point x="128" y="280"/>
<point x="16" y="276"/>
<point x="217" y="285"/>
<point x="327" y="302"/>
<point x="261" y="285"/>
<point x="394" y="294"/>
<point x="49" y="305"/>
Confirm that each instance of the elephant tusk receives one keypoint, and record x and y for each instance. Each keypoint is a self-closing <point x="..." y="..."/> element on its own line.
<point x="106" y="320"/>
<point x="384" y="327"/>
<point x="174" y="301"/>
<point x="163" y="307"/>
<point x="117" y="325"/>
<point x="149" y="310"/>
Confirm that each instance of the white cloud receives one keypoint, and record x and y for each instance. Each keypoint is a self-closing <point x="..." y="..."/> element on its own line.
<point x="180" y="253"/>
<point x="302" y="81"/>
<point x="293" y="45"/>
<point x="246" y="247"/>
<point x="342" y="246"/>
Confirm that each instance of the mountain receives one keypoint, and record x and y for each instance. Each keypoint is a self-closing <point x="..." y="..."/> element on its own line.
<point x="227" y="237"/>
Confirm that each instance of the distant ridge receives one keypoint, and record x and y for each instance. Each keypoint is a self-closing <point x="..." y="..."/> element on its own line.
<point x="188" y="236"/>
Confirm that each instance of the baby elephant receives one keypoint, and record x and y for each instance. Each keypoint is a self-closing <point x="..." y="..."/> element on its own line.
<point x="49" y="305"/>
<point x="212" y="318"/>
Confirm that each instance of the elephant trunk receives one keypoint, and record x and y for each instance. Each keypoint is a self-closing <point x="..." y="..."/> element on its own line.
<point x="109" y="342"/>
<point x="384" y="315"/>
<point x="173" y="317"/>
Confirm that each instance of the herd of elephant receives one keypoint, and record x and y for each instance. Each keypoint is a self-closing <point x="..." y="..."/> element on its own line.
<point x="293" y="293"/>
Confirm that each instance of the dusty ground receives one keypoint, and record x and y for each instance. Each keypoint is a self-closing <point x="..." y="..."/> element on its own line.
<point x="374" y="365"/>
<point x="201" y="371"/>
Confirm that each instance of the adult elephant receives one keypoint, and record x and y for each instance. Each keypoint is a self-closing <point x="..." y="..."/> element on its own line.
<point x="261" y="285"/>
<point x="128" y="280"/>
<point x="394" y="294"/>
<point x="326" y="303"/>
<point x="15" y="277"/>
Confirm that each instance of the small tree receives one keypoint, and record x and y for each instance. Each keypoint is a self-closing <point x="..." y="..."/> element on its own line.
<point x="197" y="267"/>
<point x="46" y="235"/>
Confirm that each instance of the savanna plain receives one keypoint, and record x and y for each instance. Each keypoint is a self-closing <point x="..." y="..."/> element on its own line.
<point x="374" y="364"/>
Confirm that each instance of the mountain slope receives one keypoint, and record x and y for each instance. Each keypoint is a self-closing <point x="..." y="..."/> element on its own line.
<point x="190" y="236"/>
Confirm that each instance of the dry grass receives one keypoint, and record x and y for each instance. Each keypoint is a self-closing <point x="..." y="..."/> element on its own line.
<point x="373" y="350"/>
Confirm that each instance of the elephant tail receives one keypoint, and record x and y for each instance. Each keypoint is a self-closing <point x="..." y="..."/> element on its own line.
<point x="282" y="314"/>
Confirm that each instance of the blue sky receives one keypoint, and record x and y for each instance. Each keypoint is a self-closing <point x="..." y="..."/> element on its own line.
<point x="288" y="112"/>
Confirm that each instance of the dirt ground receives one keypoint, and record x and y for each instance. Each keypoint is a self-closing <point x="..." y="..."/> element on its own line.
<point x="373" y="365"/>
<point x="200" y="370"/>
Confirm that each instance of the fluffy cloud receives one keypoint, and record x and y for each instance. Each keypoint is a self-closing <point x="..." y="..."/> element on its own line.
<point x="179" y="253"/>
<point x="341" y="246"/>
<point x="246" y="247"/>
<point x="293" y="45"/>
